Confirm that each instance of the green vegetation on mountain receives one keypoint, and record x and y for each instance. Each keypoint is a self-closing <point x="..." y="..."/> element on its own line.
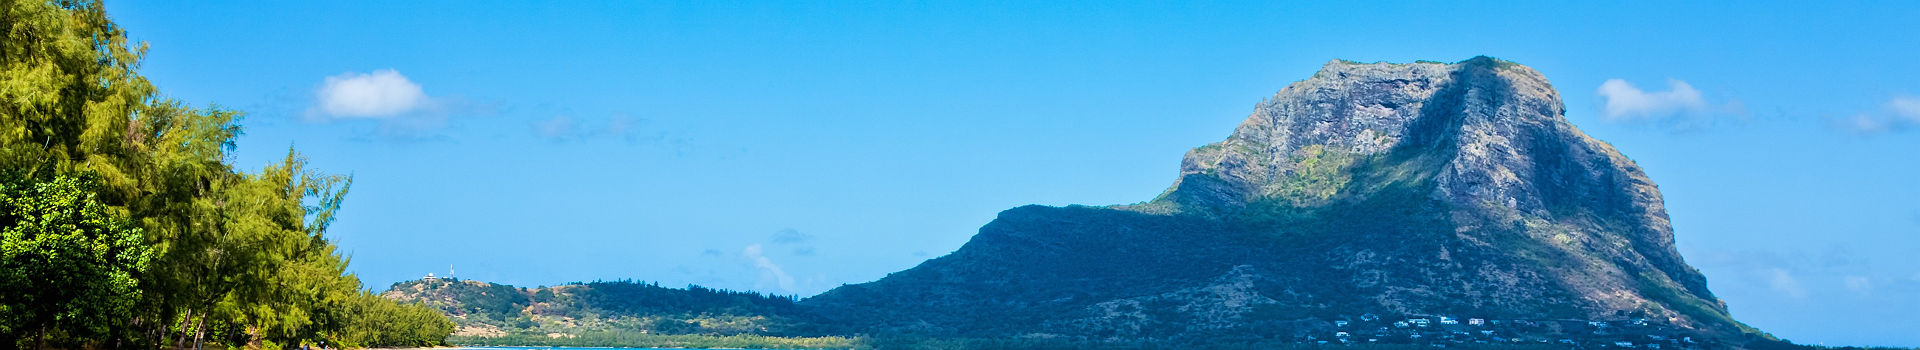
<point x="483" y="308"/>
<point x="633" y="339"/>
<point x="126" y="226"/>
<point x="616" y="313"/>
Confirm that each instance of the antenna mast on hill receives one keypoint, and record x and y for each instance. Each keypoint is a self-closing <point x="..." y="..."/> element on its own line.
<point x="449" y="270"/>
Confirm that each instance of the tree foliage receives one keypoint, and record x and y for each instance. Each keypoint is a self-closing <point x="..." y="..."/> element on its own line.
<point x="67" y="262"/>
<point x="127" y="225"/>
<point x="376" y="321"/>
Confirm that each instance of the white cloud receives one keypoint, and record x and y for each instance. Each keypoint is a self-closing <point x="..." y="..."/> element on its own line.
<point x="769" y="270"/>
<point x="380" y="94"/>
<point x="1627" y="102"/>
<point x="1784" y="282"/>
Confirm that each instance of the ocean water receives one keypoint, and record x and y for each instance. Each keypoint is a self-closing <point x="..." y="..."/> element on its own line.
<point x="566" y="347"/>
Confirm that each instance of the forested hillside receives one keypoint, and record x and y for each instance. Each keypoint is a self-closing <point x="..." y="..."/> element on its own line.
<point x="123" y="223"/>
<point x="489" y="310"/>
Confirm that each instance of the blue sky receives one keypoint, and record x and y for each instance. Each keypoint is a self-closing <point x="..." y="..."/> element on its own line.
<point x="793" y="147"/>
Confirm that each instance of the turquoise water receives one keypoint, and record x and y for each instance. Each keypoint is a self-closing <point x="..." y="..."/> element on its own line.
<point x="565" y="347"/>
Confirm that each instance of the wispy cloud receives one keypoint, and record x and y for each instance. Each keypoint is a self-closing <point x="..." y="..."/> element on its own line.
<point x="560" y="127"/>
<point x="768" y="270"/>
<point x="1805" y="273"/>
<point x="788" y="236"/>
<point x="1906" y="107"/>
<point x="565" y="128"/>
<point x="1859" y="284"/>
<point x="1783" y="282"/>
<point x="1899" y="114"/>
<point x="378" y="94"/>
<point x="795" y="238"/>
<point x="622" y="126"/>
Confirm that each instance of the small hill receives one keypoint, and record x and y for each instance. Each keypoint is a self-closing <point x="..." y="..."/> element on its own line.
<point x="483" y="309"/>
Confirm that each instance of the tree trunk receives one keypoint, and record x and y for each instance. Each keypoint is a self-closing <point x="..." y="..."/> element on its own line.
<point x="181" y="341"/>
<point x="199" y="332"/>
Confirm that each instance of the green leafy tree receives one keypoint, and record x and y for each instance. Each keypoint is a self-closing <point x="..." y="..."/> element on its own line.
<point x="236" y="258"/>
<point x="67" y="262"/>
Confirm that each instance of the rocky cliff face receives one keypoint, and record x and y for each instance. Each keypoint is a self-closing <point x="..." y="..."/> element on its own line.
<point x="1399" y="189"/>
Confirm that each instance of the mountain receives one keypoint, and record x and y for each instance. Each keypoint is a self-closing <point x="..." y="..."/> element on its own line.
<point x="1370" y="192"/>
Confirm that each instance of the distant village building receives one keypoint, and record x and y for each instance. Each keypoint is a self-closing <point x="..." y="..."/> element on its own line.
<point x="1476" y="322"/>
<point x="1369" y="317"/>
<point x="1448" y="320"/>
<point x="1339" y="323"/>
